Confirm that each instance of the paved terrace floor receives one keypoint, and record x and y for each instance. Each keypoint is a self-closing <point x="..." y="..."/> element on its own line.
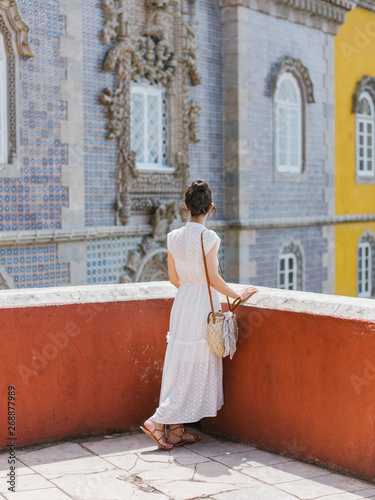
<point x="129" y="466"/>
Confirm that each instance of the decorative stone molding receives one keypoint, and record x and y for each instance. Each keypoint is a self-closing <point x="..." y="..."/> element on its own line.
<point x="18" y="26"/>
<point x="16" y="39"/>
<point x="300" y="73"/>
<point x="366" y="84"/>
<point x="325" y="15"/>
<point x="369" y="237"/>
<point x="366" y="5"/>
<point x="295" y="249"/>
<point x="154" y="44"/>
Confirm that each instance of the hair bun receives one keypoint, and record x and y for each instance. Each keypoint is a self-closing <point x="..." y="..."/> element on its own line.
<point x="199" y="186"/>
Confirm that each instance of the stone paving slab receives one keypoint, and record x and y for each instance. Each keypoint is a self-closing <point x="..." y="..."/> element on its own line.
<point x="130" y="466"/>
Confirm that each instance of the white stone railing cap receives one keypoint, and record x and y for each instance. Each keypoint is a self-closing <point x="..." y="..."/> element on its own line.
<point x="266" y="298"/>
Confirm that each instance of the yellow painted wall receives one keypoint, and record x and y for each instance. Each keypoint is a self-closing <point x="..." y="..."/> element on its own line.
<point x="346" y="240"/>
<point x="355" y="58"/>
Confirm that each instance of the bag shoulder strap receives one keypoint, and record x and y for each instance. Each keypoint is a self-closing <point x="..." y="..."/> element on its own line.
<point x="236" y="302"/>
<point x="207" y="277"/>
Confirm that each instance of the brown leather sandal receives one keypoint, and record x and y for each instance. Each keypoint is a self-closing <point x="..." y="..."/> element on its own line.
<point x="152" y="436"/>
<point x="183" y="441"/>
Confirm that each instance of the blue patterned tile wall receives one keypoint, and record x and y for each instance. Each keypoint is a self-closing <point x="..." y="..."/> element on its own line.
<point x="34" y="266"/>
<point x="107" y="257"/>
<point x="207" y="155"/>
<point x="100" y="153"/>
<point x="35" y="200"/>
<point x="266" y="255"/>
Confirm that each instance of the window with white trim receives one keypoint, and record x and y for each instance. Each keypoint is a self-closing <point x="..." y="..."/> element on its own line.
<point x="149" y="138"/>
<point x="288" y="272"/>
<point x="364" y="269"/>
<point x="365" y="121"/>
<point x="3" y="103"/>
<point x="288" y="124"/>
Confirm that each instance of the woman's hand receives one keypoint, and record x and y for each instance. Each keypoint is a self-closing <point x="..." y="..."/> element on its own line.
<point x="247" y="291"/>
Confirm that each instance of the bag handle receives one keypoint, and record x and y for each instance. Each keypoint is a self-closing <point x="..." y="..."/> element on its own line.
<point x="238" y="300"/>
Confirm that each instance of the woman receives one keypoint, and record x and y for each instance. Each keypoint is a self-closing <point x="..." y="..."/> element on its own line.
<point x="192" y="376"/>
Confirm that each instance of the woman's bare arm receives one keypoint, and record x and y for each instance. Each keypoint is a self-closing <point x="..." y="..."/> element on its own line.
<point x="217" y="281"/>
<point x="172" y="273"/>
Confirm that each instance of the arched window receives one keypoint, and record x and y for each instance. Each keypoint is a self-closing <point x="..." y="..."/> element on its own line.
<point x="366" y="265"/>
<point x="288" y="126"/>
<point x="365" y="120"/>
<point x="149" y="126"/>
<point x="3" y="103"/>
<point x="288" y="272"/>
<point x="290" y="267"/>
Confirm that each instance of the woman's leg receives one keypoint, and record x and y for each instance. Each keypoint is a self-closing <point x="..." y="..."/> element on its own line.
<point x="158" y="430"/>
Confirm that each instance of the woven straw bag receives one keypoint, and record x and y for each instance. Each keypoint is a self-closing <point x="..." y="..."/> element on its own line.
<point x="216" y="319"/>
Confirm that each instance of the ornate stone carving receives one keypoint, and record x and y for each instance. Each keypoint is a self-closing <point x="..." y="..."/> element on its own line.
<point x="162" y="220"/>
<point x="300" y="73"/>
<point x="366" y="84"/>
<point x="149" y="261"/>
<point x="154" y="45"/>
<point x="19" y="27"/>
<point x="194" y="114"/>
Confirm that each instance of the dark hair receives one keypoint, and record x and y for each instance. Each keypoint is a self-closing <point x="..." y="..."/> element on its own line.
<point x="198" y="198"/>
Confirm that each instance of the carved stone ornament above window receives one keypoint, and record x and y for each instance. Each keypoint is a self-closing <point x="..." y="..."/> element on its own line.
<point x="300" y="73"/>
<point x="366" y="84"/>
<point x="154" y="44"/>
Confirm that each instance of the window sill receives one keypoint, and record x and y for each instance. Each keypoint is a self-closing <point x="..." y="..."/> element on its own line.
<point x="10" y="170"/>
<point x="364" y="179"/>
<point x="153" y="168"/>
<point x="289" y="176"/>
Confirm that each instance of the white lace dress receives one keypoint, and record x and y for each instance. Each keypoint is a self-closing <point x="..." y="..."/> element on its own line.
<point x="192" y="385"/>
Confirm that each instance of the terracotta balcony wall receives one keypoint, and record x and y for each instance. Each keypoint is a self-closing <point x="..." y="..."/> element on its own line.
<point x="88" y="361"/>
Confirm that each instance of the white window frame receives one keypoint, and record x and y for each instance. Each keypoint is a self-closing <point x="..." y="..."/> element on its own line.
<point x="159" y="91"/>
<point x="361" y="283"/>
<point x="365" y="120"/>
<point x="286" y="257"/>
<point x="3" y="104"/>
<point x="280" y="104"/>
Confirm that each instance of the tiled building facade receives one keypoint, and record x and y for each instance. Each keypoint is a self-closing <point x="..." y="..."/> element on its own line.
<point x="80" y="210"/>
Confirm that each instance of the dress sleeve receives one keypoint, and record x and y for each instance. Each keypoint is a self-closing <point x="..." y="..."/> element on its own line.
<point x="170" y="242"/>
<point x="210" y="238"/>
